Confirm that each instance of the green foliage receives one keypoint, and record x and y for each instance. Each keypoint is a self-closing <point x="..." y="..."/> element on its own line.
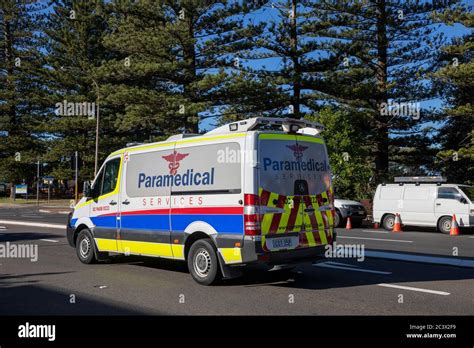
<point x="348" y="152"/>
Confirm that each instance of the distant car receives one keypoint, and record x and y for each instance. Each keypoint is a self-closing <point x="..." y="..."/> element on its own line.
<point x="424" y="201"/>
<point x="3" y="189"/>
<point x="345" y="208"/>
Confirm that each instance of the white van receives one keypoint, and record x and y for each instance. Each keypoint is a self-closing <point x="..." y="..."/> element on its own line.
<point x="250" y="192"/>
<point x="424" y="201"/>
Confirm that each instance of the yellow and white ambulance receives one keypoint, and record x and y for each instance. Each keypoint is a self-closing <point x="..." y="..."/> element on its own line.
<point x="256" y="191"/>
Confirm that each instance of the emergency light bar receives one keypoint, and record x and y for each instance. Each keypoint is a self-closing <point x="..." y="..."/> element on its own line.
<point x="288" y="125"/>
<point x="419" y="179"/>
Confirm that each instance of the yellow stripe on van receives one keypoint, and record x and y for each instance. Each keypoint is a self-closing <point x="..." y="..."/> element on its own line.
<point x="171" y="143"/>
<point x="147" y="248"/>
<point x="267" y="218"/>
<point x="178" y="251"/>
<point x="106" y="244"/>
<point x="231" y="255"/>
<point x="306" y="138"/>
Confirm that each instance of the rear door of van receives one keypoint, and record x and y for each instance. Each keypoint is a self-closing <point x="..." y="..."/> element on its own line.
<point x="295" y="192"/>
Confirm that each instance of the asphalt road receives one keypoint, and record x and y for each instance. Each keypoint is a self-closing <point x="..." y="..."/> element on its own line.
<point x="136" y="286"/>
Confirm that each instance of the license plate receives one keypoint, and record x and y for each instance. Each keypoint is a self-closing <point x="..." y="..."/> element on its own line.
<point x="282" y="243"/>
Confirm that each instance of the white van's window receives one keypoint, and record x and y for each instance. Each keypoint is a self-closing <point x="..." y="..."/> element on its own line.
<point x="468" y="191"/>
<point x="214" y="168"/>
<point x="416" y="193"/>
<point x="390" y="192"/>
<point x="448" y="193"/>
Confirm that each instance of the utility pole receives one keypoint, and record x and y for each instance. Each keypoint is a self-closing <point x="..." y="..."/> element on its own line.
<point x="37" y="182"/>
<point x="96" y="128"/>
<point x="76" y="155"/>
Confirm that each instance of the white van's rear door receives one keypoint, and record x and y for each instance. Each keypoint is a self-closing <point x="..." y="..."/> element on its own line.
<point x="294" y="190"/>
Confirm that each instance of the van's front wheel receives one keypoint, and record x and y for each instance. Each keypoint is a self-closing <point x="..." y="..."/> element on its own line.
<point x="202" y="262"/>
<point x="85" y="247"/>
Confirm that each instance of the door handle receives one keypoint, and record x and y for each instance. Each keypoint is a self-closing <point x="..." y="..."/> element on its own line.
<point x="438" y="203"/>
<point x="126" y="202"/>
<point x="113" y="203"/>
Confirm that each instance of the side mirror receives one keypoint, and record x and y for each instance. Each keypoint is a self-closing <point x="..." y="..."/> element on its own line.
<point x="463" y="200"/>
<point x="87" y="189"/>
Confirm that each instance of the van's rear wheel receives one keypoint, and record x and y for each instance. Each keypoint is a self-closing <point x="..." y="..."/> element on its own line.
<point x="202" y="262"/>
<point x="388" y="222"/>
<point x="85" y="247"/>
<point x="444" y="224"/>
<point x="338" y="219"/>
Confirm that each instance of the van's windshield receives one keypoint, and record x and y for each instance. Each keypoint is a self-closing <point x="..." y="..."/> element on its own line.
<point x="468" y="191"/>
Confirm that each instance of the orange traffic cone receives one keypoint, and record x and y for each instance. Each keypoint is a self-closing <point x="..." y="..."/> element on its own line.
<point x="454" y="231"/>
<point x="348" y="224"/>
<point x="397" y="226"/>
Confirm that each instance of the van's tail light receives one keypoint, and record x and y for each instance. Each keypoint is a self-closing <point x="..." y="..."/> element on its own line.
<point x="252" y="215"/>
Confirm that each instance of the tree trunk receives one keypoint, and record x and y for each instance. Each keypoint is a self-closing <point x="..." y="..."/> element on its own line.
<point x="381" y="125"/>
<point x="296" y="63"/>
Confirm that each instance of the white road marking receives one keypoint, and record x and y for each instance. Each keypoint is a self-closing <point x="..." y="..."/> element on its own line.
<point x="373" y="231"/>
<point x="383" y="240"/>
<point x="32" y="224"/>
<point x="339" y="264"/>
<point x="449" y="261"/>
<point x="351" y="269"/>
<point x="49" y="240"/>
<point x="415" y="289"/>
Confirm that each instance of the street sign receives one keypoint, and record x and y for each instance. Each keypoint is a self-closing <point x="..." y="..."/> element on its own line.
<point x="21" y="189"/>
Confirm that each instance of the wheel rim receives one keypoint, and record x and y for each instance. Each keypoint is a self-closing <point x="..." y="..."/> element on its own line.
<point x="446" y="225"/>
<point x="85" y="247"/>
<point x="389" y="222"/>
<point x="202" y="263"/>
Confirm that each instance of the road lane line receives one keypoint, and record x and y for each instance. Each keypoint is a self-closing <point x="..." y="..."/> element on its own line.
<point x="339" y="264"/>
<point x="381" y="239"/>
<point x="415" y="289"/>
<point x="447" y="261"/>
<point x="32" y="224"/>
<point x="351" y="269"/>
<point x="49" y="240"/>
<point x="371" y="231"/>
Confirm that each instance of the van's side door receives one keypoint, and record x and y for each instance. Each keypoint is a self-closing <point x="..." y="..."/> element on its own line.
<point x="449" y="202"/>
<point x="104" y="205"/>
<point x="145" y="203"/>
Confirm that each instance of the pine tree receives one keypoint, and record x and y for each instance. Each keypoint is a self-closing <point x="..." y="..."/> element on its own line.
<point x="455" y="83"/>
<point x="74" y="34"/>
<point x="21" y="89"/>
<point x="386" y="48"/>
<point x="172" y="62"/>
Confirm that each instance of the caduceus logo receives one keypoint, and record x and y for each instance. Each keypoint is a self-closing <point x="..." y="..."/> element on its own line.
<point x="297" y="150"/>
<point x="174" y="159"/>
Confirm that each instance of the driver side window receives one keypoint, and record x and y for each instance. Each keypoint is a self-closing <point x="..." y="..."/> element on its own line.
<point x="107" y="178"/>
<point x="448" y="193"/>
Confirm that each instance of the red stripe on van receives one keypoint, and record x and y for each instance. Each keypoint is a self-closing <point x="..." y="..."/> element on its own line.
<point x="319" y="197"/>
<point x="294" y="213"/>
<point x="277" y="217"/>
<point x="265" y="195"/>
<point x="197" y="210"/>
<point x="312" y="217"/>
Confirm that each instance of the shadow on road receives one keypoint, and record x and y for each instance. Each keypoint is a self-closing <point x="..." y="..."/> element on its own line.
<point x="22" y="236"/>
<point x="29" y="298"/>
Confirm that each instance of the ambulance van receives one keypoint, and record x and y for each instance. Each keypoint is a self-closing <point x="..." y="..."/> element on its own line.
<point x="252" y="192"/>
